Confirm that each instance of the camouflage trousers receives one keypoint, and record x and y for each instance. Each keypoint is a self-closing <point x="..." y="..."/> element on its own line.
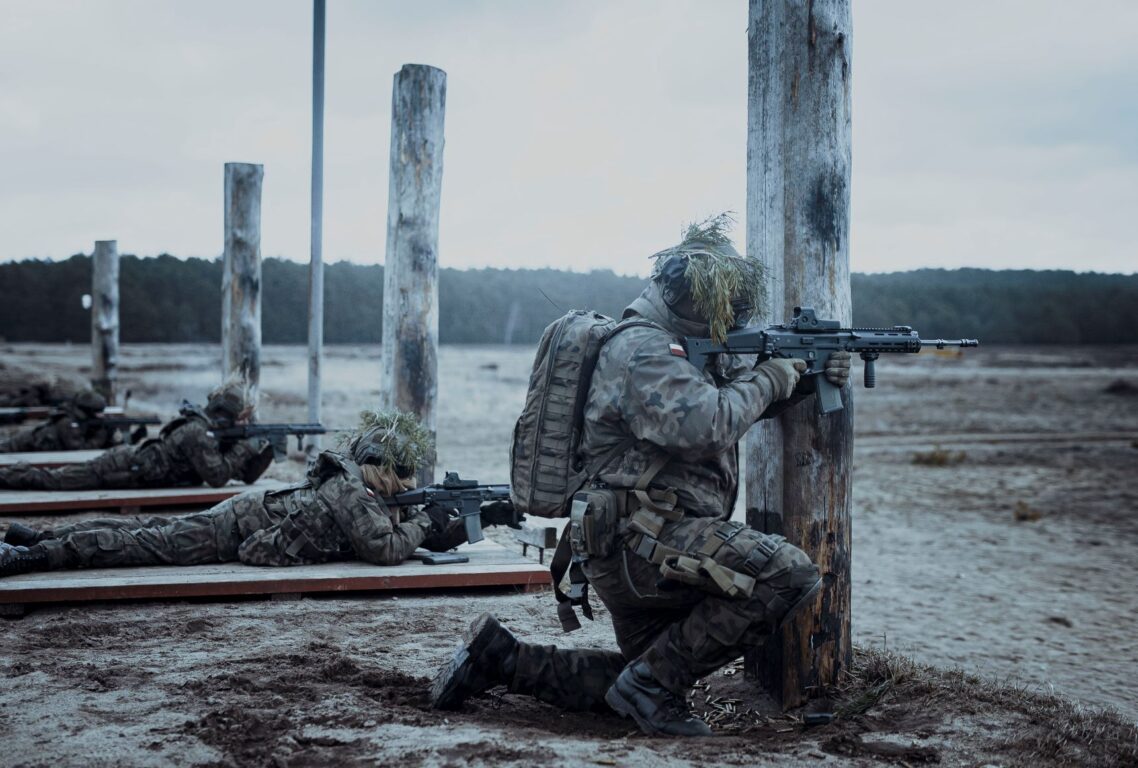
<point x="211" y="536"/>
<point x="124" y="466"/>
<point x="683" y="632"/>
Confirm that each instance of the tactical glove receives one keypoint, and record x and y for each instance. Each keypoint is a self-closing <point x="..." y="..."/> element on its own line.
<point x="501" y="513"/>
<point x="256" y="464"/>
<point x="783" y="374"/>
<point x="837" y="370"/>
<point x="439" y="516"/>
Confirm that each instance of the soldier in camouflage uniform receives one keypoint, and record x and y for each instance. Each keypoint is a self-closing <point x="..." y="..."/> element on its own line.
<point x="334" y="514"/>
<point x="688" y="589"/>
<point x="74" y="427"/>
<point x="33" y="393"/>
<point x="184" y="453"/>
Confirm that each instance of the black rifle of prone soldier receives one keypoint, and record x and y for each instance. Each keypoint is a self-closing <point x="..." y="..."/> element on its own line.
<point x="277" y="435"/>
<point x="462" y="496"/>
<point x="807" y="338"/>
<point x="109" y="421"/>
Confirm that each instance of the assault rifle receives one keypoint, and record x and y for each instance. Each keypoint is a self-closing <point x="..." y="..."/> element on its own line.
<point x="808" y="338"/>
<point x="110" y="418"/>
<point x="277" y="435"/>
<point x="462" y="496"/>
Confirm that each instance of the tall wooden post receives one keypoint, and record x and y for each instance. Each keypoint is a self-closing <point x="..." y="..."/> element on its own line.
<point x="105" y="318"/>
<point x="241" y="276"/>
<point x="411" y="290"/>
<point x="316" y="261"/>
<point x="798" y="187"/>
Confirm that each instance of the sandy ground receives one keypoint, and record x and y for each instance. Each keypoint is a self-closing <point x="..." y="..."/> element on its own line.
<point x="1012" y="559"/>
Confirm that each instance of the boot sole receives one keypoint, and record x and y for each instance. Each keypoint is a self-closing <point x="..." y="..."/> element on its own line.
<point x="451" y="676"/>
<point x="801" y="603"/>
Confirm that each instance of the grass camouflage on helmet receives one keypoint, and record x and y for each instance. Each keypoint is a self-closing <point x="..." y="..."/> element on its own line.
<point x="724" y="286"/>
<point x="228" y="401"/>
<point x="392" y="439"/>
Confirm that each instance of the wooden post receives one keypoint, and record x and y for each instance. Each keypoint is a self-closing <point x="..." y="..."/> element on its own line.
<point x="316" y="261"/>
<point x="105" y="318"/>
<point x="798" y="182"/>
<point x="411" y="290"/>
<point x="241" y="276"/>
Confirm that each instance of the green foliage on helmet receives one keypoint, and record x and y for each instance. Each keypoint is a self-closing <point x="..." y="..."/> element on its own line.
<point x="705" y="270"/>
<point x="392" y="439"/>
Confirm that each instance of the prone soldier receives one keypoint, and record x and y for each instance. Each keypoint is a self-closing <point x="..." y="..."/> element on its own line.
<point x="689" y="590"/>
<point x="73" y="426"/>
<point x="183" y="454"/>
<point x="336" y="513"/>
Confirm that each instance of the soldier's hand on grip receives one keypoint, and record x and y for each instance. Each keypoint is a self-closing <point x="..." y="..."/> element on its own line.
<point x="783" y="373"/>
<point x="501" y="513"/>
<point x="837" y="369"/>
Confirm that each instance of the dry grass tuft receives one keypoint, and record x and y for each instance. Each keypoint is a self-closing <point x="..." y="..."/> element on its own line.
<point x="1025" y="513"/>
<point x="939" y="457"/>
<point x="1043" y="729"/>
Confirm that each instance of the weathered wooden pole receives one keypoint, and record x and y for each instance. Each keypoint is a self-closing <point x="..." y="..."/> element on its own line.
<point x="241" y="276"/>
<point x="411" y="290"/>
<point x="798" y="188"/>
<point x="105" y="318"/>
<point x="316" y="239"/>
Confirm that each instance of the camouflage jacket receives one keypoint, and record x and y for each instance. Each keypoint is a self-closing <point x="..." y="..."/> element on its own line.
<point x="184" y="453"/>
<point x="645" y="389"/>
<point x="332" y="515"/>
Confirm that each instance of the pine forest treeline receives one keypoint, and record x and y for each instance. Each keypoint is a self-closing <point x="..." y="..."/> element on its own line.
<point x="165" y="299"/>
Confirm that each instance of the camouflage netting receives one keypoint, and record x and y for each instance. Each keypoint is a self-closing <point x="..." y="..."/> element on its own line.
<point x="717" y="275"/>
<point x="402" y="438"/>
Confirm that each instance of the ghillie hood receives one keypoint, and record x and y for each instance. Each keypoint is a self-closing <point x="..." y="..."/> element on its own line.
<point x="706" y="266"/>
<point x="392" y="439"/>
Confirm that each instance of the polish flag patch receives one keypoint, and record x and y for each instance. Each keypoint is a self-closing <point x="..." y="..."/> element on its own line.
<point x="677" y="350"/>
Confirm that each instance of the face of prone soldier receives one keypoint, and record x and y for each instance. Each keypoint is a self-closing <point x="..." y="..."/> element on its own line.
<point x="384" y="481"/>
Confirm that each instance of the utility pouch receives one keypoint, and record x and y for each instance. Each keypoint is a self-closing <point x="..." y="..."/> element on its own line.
<point x="593" y="523"/>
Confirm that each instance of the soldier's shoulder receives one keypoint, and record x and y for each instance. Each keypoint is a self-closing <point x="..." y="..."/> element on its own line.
<point x="330" y="465"/>
<point x="637" y="340"/>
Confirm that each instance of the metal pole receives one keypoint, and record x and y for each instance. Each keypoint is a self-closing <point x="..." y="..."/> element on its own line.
<point x="316" y="263"/>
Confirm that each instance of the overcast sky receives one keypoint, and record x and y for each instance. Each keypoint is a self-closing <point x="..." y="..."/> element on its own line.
<point x="578" y="134"/>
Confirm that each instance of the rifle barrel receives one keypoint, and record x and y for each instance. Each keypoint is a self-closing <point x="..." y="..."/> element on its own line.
<point x="942" y="343"/>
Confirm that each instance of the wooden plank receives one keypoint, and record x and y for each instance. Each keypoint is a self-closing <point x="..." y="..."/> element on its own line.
<point x="491" y="565"/>
<point x="46" y="502"/>
<point x="48" y="458"/>
<point x="544" y="538"/>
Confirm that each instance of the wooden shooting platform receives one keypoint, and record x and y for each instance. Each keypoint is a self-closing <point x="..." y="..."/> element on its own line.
<point x="491" y="565"/>
<point x="48" y="458"/>
<point x="128" y="501"/>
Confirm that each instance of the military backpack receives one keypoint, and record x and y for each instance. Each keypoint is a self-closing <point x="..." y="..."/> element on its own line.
<point x="545" y="467"/>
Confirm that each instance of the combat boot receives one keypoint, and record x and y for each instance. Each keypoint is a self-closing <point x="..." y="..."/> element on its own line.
<point x="20" y="535"/>
<point x="658" y="711"/>
<point x="489" y="658"/>
<point x="15" y="560"/>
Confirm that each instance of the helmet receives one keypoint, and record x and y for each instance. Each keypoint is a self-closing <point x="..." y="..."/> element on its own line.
<point x="89" y="401"/>
<point x="704" y="278"/>
<point x="390" y="439"/>
<point x="228" y="402"/>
